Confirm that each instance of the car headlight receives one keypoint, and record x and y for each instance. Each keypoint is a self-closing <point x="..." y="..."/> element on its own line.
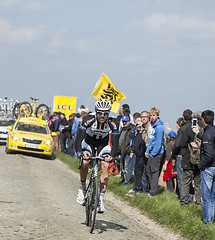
<point x="15" y="138"/>
<point x="48" y="143"/>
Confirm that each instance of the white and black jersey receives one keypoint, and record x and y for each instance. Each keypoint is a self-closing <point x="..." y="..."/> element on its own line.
<point x="96" y="134"/>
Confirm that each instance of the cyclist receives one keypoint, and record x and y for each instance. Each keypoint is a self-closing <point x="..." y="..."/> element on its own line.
<point x="94" y="132"/>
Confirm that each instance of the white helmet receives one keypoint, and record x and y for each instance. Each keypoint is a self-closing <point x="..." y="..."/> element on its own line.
<point x="103" y="105"/>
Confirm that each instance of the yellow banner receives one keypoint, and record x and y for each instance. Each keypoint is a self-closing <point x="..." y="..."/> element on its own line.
<point x="66" y="105"/>
<point x="105" y="89"/>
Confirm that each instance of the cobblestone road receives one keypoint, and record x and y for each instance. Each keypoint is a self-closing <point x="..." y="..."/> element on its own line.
<point x="38" y="201"/>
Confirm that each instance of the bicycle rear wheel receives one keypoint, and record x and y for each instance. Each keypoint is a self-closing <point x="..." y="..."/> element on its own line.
<point x="42" y="112"/>
<point x="16" y="110"/>
<point x="93" y="204"/>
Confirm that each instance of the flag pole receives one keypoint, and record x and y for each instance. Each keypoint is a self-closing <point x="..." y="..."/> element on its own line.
<point x="93" y="90"/>
<point x="88" y="100"/>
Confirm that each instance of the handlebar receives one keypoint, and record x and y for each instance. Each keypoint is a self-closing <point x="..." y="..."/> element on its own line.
<point x="115" y="160"/>
<point x="97" y="158"/>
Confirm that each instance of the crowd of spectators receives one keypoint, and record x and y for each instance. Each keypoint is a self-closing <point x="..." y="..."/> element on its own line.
<point x="66" y="129"/>
<point x="185" y="160"/>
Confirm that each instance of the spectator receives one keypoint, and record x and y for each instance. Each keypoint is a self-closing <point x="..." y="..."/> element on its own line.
<point x="139" y="150"/>
<point x="57" y="129"/>
<point x="51" y="122"/>
<point x="145" y="130"/>
<point x="207" y="166"/>
<point x="197" y="115"/>
<point x="176" y="154"/>
<point x="145" y="127"/>
<point x="75" y="124"/>
<point x="71" y="147"/>
<point x="126" y="112"/>
<point x="189" y="170"/>
<point x="125" y="105"/>
<point x="136" y="116"/>
<point x="125" y="150"/>
<point x="154" y="151"/>
<point x="168" y="175"/>
<point x="82" y="111"/>
<point x="119" y="117"/>
<point x="65" y="133"/>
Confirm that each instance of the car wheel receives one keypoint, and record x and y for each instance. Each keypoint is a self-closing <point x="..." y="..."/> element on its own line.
<point x="52" y="157"/>
<point x="7" y="150"/>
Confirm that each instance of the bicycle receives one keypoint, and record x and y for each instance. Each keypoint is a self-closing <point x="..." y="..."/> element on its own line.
<point x="92" y="194"/>
<point x="26" y="109"/>
<point x="16" y="108"/>
<point x="6" y="107"/>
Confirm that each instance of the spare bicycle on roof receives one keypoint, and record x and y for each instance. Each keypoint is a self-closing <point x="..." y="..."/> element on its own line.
<point x="26" y="109"/>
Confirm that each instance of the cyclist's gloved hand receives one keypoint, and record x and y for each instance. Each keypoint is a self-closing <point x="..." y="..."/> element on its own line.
<point x="108" y="158"/>
<point x="86" y="156"/>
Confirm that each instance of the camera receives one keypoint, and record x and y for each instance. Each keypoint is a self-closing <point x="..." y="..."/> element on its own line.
<point x="194" y="122"/>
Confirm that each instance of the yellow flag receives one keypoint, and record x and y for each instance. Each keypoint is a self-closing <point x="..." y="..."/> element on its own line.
<point x="65" y="105"/>
<point x="105" y="89"/>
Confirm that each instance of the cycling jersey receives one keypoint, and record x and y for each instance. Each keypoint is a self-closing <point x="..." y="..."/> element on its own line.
<point x="96" y="134"/>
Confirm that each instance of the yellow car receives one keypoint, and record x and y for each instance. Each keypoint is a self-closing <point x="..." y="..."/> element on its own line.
<point x="30" y="134"/>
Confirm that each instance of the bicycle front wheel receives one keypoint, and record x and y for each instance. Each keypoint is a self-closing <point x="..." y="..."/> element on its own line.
<point x="87" y="201"/>
<point x="42" y="112"/>
<point x="93" y="204"/>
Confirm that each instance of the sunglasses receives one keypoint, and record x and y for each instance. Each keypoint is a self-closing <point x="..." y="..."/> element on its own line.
<point x="104" y="113"/>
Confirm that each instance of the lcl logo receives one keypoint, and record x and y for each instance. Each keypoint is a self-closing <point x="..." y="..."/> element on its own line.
<point x="64" y="107"/>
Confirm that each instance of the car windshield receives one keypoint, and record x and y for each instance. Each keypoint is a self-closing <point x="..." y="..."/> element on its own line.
<point x="6" y="123"/>
<point x="31" y="128"/>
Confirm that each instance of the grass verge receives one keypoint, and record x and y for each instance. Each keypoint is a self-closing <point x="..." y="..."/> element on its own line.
<point x="164" y="208"/>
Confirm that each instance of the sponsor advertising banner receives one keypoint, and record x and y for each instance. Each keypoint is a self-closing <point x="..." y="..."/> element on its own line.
<point x="66" y="105"/>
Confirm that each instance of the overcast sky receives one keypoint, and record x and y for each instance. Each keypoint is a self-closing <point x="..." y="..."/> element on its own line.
<point x="156" y="52"/>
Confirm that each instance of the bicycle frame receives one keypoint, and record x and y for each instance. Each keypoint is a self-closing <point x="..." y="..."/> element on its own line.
<point x="34" y="106"/>
<point x="92" y="193"/>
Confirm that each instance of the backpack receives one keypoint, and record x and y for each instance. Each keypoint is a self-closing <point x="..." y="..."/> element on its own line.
<point x="194" y="154"/>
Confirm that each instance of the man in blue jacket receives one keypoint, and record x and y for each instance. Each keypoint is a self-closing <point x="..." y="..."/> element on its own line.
<point x="154" y="151"/>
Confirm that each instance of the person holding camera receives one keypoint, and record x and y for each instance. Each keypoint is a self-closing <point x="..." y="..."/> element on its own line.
<point x="186" y="138"/>
<point x="207" y="165"/>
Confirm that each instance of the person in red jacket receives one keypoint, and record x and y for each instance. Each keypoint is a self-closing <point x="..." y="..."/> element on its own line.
<point x="168" y="176"/>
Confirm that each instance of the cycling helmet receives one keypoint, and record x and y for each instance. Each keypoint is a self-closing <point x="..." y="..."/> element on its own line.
<point x="103" y="105"/>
